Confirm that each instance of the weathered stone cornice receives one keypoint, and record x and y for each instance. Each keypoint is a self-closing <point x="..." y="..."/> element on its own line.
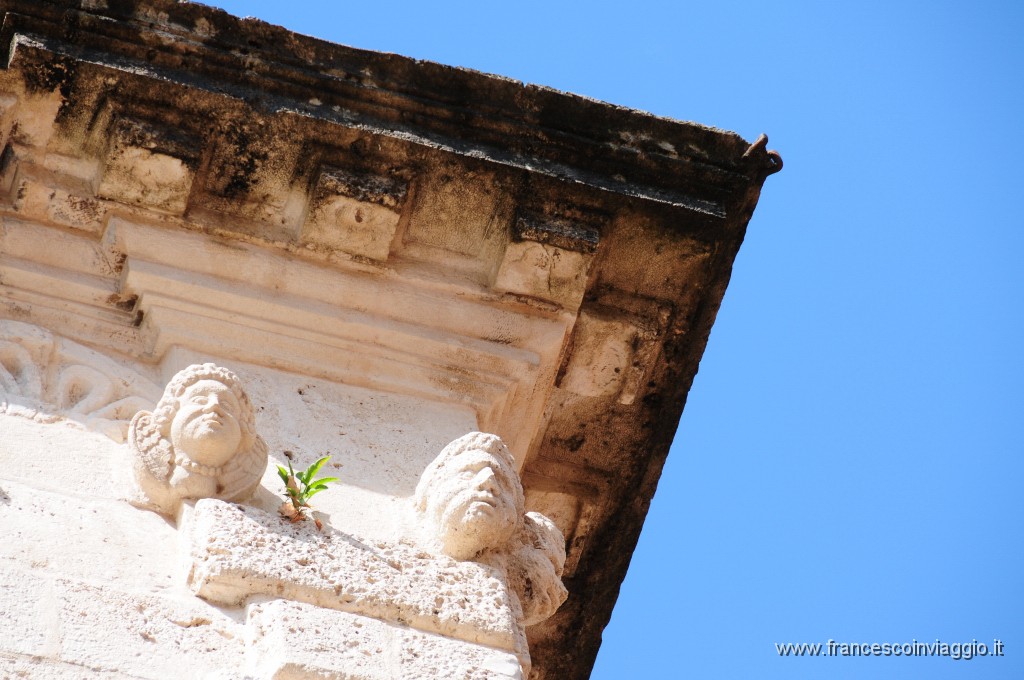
<point x="174" y="177"/>
<point x="459" y="110"/>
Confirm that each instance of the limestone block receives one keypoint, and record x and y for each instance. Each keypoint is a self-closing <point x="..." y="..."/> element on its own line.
<point x="67" y="255"/>
<point x="602" y="354"/>
<point x="543" y="271"/>
<point x="548" y="259"/>
<point x="79" y="536"/>
<point x="60" y="189"/>
<point x="150" y="637"/>
<point x="562" y="508"/>
<point x="148" y="167"/>
<point x="460" y="211"/>
<point x="33" y="119"/>
<point x="77" y="626"/>
<point x="251" y="186"/>
<point x="237" y="552"/>
<point x="357" y="214"/>
<point x="572" y="505"/>
<point x="293" y="640"/>
<point x="40" y="201"/>
<point x="29" y="667"/>
<point x="78" y="212"/>
<point x="29" y="612"/>
<point x="459" y="222"/>
<point x="74" y="170"/>
<point x="200" y="442"/>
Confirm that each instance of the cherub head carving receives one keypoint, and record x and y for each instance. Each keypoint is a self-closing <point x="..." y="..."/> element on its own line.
<point x="470" y="497"/>
<point x="199" y="442"/>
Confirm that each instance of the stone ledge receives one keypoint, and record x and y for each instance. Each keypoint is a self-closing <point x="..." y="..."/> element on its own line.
<point x="237" y="552"/>
<point x="67" y="626"/>
<point x="293" y="640"/>
<point x="22" y="666"/>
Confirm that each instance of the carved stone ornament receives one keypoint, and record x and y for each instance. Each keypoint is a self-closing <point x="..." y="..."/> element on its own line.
<point x="199" y="442"/>
<point x="48" y="378"/>
<point x="471" y="507"/>
<point x="534" y="570"/>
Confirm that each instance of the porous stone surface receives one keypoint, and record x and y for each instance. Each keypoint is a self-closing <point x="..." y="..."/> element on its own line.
<point x="57" y="627"/>
<point x="85" y="537"/>
<point x="354" y="213"/>
<point x="13" y="666"/>
<point x="237" y="552"/>
<point x="298" y="640"/>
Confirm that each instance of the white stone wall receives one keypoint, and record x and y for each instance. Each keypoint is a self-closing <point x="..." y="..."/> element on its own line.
<point x="93" y="586"/>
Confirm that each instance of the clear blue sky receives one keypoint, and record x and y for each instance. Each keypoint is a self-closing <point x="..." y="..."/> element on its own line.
<point x="850" y="464"/>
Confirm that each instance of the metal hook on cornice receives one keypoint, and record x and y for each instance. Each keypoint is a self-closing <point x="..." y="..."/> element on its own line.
<point x="773" y="156"/>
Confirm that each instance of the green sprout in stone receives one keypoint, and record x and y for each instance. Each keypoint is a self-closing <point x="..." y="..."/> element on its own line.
<point x="299" y="488"/>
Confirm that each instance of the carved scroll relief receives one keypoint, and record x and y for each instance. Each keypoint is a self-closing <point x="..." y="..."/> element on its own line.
<point x="46" y="377"/>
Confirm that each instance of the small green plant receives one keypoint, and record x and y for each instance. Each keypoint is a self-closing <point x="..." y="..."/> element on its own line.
<point x="299" y="488"/>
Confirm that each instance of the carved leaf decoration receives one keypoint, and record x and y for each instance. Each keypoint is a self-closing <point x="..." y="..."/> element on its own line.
<point x="83" y="390"/>
<point x="54" y="377"/>
<point x="18" y="372"/>
<point x="154" y="451"/>
<point x="112" y="420"/>
<point x="122" y="409"/>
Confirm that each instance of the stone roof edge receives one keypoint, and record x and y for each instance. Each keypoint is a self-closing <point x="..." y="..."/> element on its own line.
<point x="495" y="118"/>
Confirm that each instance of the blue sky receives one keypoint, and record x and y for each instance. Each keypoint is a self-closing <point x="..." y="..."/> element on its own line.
<point x="850" y="465"/>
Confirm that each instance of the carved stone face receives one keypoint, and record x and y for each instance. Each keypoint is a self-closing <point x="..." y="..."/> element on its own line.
<point x="473" y="503"/>
<point x="205" y="427"/>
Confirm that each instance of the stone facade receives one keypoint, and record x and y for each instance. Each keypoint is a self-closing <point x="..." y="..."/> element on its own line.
<point x="225" y="247"/>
